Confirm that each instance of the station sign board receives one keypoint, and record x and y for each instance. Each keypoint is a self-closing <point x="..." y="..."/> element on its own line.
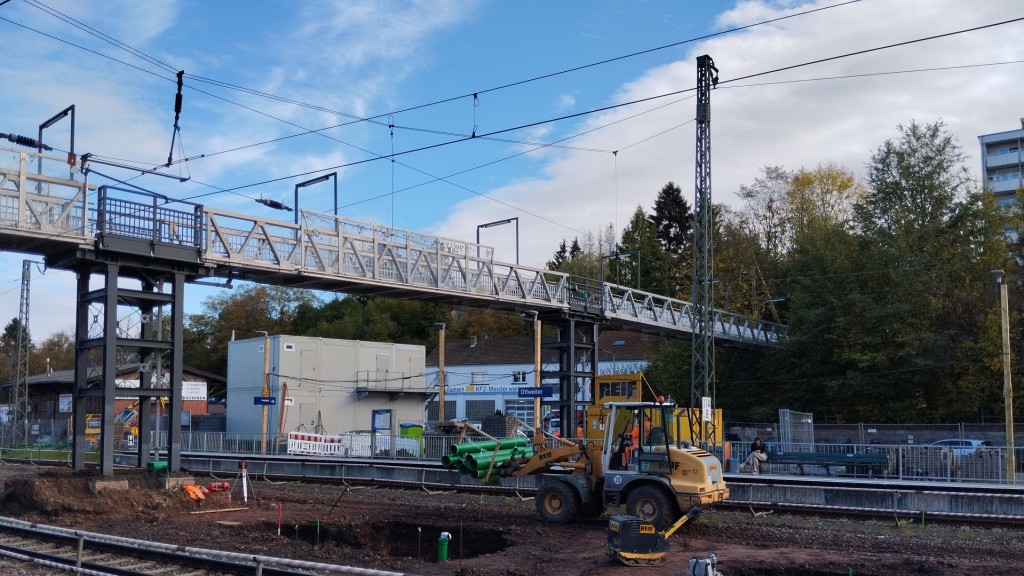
<point x="536" y="392"/>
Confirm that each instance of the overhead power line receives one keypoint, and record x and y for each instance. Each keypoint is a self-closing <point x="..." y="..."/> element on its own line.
<point x="355" y="119"/>
<point x="464" y="138"/>
<point x="641" y="100"/>
<point x="98" y="34"/>
<point x="876" y="49"/>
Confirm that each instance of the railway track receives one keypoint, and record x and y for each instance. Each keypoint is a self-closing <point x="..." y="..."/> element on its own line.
<point x="32" y="549"/>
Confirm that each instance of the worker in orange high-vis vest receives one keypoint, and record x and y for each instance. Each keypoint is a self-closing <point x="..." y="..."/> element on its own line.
<point x="646" y="432"/>
<point x="635" y="437"/>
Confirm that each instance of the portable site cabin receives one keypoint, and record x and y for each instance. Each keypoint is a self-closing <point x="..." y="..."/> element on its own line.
<point x="323" y="385"/>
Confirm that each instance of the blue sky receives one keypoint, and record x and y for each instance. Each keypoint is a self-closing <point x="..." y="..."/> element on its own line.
<point x="349" y="60"/>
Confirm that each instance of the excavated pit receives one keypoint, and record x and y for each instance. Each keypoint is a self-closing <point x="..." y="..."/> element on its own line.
<point x="398" y="539"/>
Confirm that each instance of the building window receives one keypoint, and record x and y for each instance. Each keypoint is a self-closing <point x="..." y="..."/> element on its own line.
<point x="479" y="378"/>
<point x="519" y="377"/>
<point x="477" y="410"/>
<point x="1004" y="176"/>
<point x="433" y="410"/>
<point x="1004" y="149"/>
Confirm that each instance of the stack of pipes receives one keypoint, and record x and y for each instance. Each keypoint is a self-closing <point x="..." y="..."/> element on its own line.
<point x="483" y="459"/>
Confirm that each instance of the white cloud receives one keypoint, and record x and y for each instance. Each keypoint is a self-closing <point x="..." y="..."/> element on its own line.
<point x="127" y="21"/>
<point x="368" y="32"/>
<point x="794" y="125"/>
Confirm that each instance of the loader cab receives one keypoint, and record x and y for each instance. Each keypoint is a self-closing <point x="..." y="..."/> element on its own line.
<point x="638" y="437"/>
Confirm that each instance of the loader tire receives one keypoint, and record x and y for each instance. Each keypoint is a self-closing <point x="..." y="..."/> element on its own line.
<point x="557" y="502"/>
<point x="653" y="505"/>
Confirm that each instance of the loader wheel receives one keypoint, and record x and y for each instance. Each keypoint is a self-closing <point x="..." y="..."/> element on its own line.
<point x="653" y="505"/>
<point x="557" y="503"/>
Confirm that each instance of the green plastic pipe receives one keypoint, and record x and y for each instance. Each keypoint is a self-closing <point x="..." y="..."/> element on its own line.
<point x="482" y="460"/>
<point x="481" y="466"/>
<point x="489" y="454"/>
<point x="458" y="449"/>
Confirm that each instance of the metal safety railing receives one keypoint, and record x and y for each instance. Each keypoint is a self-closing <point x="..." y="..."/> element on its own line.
<point x="38" y="204"/>
<point x="982" y="464"/>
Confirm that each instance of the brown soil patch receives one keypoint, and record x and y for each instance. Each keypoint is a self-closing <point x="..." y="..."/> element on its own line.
<point x="398" y="530"/>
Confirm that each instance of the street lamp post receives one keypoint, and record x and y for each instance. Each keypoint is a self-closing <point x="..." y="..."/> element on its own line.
<point x="440" y="371"/>
<point x="57" y="118"/>
<point x="317" y="180"/>
<point x="536" y="364"/>
<point x="499" y="223"/>
<point x="1011" y="465"/>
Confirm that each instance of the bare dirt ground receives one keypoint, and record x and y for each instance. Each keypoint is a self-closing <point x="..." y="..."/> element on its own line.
<point x="398" y="530"/>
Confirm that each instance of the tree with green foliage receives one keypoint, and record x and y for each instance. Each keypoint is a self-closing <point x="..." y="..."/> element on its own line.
<point x="887" y="306"/>
<point x="641" y="261"/>
<point x="741" y="266"/>
<point x="673" y="220"/>
<point x="369" y="318"/>
<point x="768" y="209"/>
<point x="57" y="351"/>
<point x="9" y="347"/>
<point x="243" y="313"/>
<point x="889" y="298"/>
<point x="818" y="273"/>
<point x="561" y="255"/>
<point x="583" y="258"/>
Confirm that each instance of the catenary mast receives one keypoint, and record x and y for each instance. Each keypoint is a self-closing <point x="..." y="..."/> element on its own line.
<point x="702" y="368"/>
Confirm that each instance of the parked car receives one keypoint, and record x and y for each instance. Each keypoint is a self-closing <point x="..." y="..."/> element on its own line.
<point x="962" y="446"/>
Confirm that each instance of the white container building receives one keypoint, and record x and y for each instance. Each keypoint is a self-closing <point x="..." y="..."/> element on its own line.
<point x="324" y="385"/>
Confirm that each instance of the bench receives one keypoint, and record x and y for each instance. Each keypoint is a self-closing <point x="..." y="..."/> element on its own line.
<point x="860" y="464"/>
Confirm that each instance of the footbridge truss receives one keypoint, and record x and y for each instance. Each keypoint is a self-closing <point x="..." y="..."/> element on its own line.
<point x="54" y="216"/>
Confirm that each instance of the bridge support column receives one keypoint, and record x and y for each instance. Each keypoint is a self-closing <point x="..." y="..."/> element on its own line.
<point x="577" y="367"/>
<point x="128" y="334"/>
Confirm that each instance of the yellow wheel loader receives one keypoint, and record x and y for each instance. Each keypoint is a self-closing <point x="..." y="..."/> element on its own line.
<point x="640" y="463"/>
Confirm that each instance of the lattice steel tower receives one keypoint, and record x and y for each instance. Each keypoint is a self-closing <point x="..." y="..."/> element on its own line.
<point x="19" y="403"/>
<point x="702" y="370"/>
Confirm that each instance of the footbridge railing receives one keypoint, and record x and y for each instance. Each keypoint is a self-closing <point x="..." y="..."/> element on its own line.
<point x="42" y="211"/>
<point x="631" y="306"/>
<point x="40" y="203"/>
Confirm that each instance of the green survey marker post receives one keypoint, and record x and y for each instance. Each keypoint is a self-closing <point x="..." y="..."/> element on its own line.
<point x="442" y="546"/>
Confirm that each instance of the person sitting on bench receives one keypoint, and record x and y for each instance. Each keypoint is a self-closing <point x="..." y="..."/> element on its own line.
<point x="758" y="454"/>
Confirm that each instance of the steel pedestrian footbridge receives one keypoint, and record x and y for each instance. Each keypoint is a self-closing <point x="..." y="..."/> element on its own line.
<point x="55" y="215"/>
